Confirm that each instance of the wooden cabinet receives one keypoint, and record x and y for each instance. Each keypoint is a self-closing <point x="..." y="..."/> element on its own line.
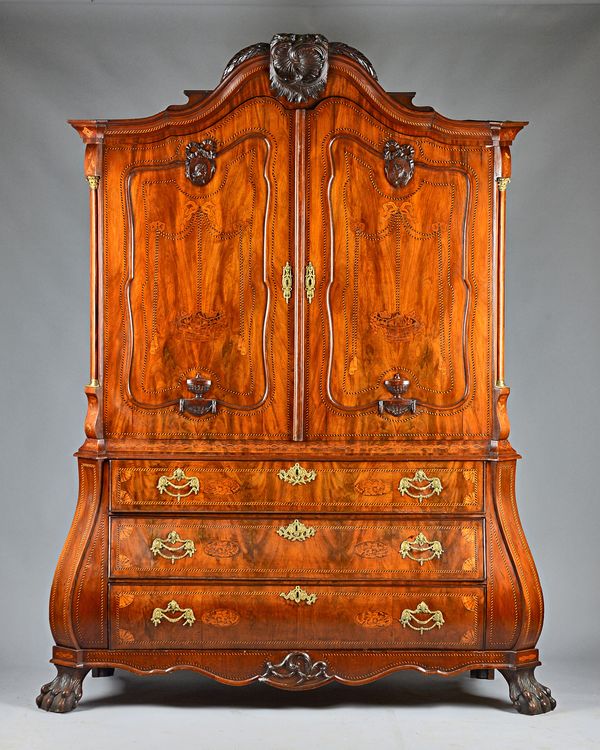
<point x="296" y="467"/>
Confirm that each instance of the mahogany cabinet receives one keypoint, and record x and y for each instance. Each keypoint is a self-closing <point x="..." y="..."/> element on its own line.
<point x="296" y="467"/>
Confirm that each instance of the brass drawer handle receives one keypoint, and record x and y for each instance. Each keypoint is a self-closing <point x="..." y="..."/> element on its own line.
<point x="178" y="482"/>
<point x="186" y="614"/>
<point x="421" y="545"/>
<point x="310" y="282"/>
<point x="287" y="282"/>
<point x="173" y="544"/>
<point x="297" y="475"/>
<point x="410" y="616"/>
<point x="420" y="487"/>
<point x="299" y="596"/>
<point x="296" y="531"/>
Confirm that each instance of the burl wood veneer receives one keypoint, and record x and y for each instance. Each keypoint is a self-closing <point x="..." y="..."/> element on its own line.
<point x="296" y="466"/>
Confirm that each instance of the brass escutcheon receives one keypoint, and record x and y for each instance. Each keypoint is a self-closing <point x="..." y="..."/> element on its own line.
<point x="287" y="282"/>
<point x="297" y="475"/>
<point x="299" y="596"/>
<point x="309" y="282"/>
<point x="296" y="531"/>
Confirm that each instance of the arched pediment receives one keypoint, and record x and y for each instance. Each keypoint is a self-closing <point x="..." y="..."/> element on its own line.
<point x="300" y="70"/>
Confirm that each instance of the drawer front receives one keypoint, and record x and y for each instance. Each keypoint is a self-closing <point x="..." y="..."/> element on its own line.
<point x="281" y="547"/>
<point x="440" y="487"/>
<point x="293" y="616"/>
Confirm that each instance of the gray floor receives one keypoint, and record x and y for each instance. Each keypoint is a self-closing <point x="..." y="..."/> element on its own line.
<point x="402" y="711"/>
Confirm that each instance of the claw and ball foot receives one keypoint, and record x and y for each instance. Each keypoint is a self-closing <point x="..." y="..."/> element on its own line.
<point x="527" y="694"/>
<point x="64" y="692"/>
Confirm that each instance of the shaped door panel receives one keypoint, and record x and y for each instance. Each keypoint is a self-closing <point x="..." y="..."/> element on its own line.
<point x="200" y="281"/>
<point x="402" y="282"/>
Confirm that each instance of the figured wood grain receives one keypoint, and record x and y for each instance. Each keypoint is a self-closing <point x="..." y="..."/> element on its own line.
<point x="344" y="549"/>
<point x="267" y="619"/>
<point x="338" y="487"/>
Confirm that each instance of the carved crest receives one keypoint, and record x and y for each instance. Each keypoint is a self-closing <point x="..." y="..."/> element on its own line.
<point x="298" y="63"/>
<point x="399" y="163"/>
<point x="298" y="66"/>
<point x="297" y="669"/>
<point x="200" y="161"/>
<point x="261" y="48"/>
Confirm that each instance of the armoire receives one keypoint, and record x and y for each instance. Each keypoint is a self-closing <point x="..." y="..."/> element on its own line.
<point x="296" y="467"/>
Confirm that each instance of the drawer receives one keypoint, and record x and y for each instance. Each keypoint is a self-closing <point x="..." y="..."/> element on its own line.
<point x="295" y="616"/>
<point x="430" y="487"/>
<point x="281" y="547"/>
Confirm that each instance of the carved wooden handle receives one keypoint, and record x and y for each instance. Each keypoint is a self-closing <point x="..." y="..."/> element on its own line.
<point x="397" y="405"/>
<point x="198" y="406"/>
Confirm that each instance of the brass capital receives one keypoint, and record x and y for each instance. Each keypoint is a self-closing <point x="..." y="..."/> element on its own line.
<point x="502" y="183"/>
<point x="93" y="180"/>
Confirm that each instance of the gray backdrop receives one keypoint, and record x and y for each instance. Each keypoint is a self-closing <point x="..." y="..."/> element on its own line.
<point x="540" y="63"/>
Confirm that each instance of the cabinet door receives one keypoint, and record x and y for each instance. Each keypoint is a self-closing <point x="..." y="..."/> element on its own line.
<point x="403" y="281"/>
<point x="194" y="270"/>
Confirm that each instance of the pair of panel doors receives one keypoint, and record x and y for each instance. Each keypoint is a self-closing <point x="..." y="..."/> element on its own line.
<point x="298" y="342"/>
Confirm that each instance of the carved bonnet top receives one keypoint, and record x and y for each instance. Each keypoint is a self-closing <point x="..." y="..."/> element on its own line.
<point x="299" y="63"/>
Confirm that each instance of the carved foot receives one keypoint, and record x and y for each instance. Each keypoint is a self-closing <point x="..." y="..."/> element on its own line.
<point x="527" y="694"/>
<point x="64" y="692"/>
